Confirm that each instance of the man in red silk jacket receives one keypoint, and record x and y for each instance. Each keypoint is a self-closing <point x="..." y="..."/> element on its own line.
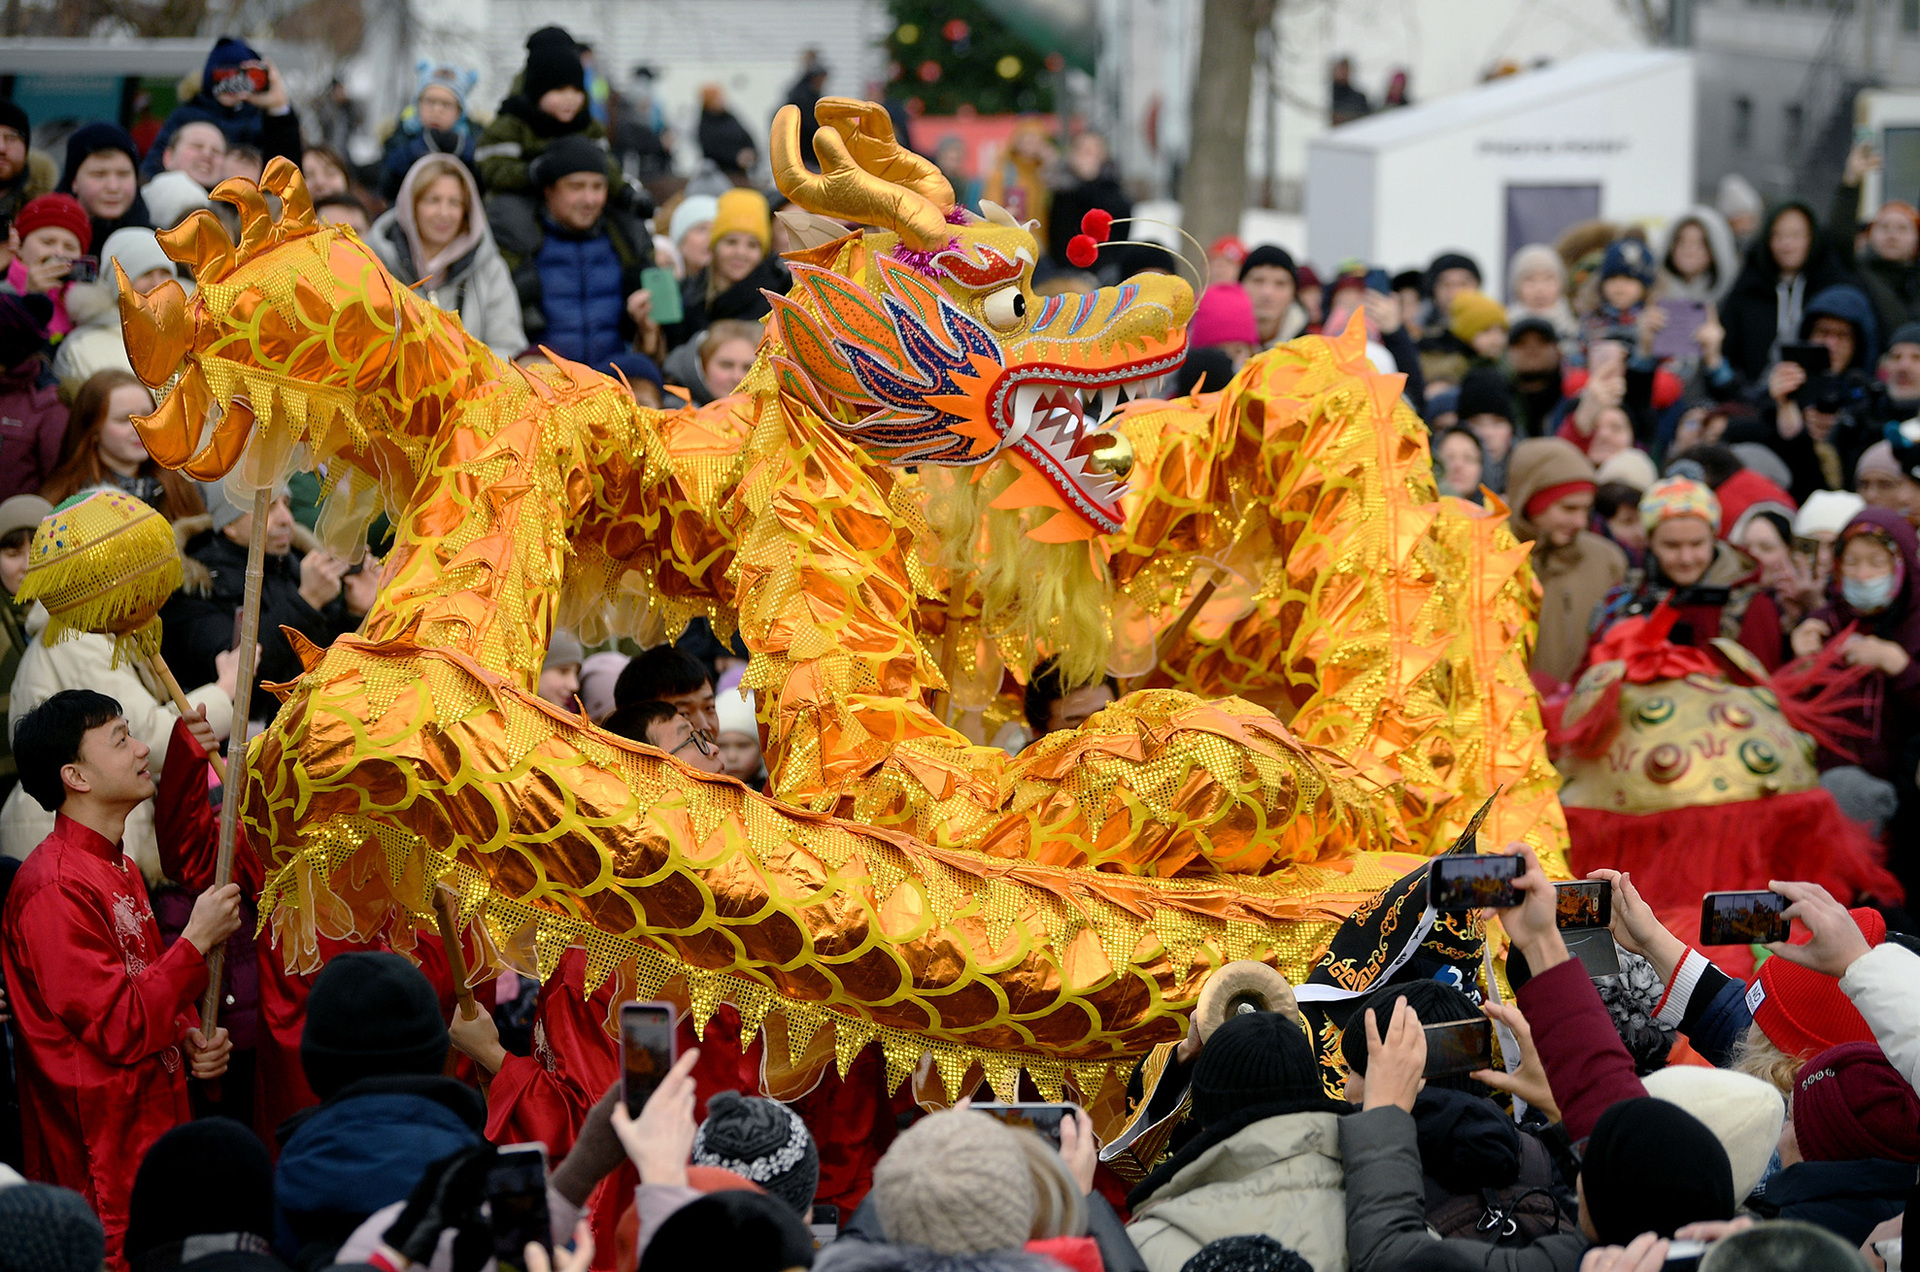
<point x="102" y="1012"/>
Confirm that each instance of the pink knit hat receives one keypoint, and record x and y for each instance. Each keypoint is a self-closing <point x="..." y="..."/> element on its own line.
<point x="1223" y="316"/>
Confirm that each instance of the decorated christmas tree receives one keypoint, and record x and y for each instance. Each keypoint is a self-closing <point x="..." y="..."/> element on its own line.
<point x="952" y="56"/>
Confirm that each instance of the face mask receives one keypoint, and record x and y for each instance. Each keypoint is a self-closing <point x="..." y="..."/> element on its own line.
<point x="1868" y="596"/>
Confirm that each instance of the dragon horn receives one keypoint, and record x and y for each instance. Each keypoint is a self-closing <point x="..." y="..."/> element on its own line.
<point x="846" y="190"/>
<point x="155" y="327"/>
<point x="282" y="179"/>
<point x="200" y="242"/>
<point x="868" y="131"/>
<point x="256" y="219"/>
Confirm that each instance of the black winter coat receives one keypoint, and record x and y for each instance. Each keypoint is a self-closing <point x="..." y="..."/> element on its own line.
<point x="1750" y="312"/>
<point x="196" y="628"/>
<point x="1849" y="1199"/>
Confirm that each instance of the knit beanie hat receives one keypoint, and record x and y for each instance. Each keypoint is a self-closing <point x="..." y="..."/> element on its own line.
<point x="1535" y="258"/>
<point x="1905" y="333"/>
<point x="1678" y="496"/>
<point x="1268" y="254"/>
<point x="1829" y="511"/>
<point x="736" y="1230"/>
<point x="1780" y="1244"/>
<point x="457" y="80"/>
<point x="14" y="117"/>
<point x="1744" y="1114"/>
<point x="1850" y="1104"/>
<point x="553" y="61"/>
<point x="1631" y="467"/>
<point x="565" y="156"/>
<point x="370" y="1013"/>
<point x="1651" y="1166"/>
<point x="1223" y="316"/>
<point x="1452" y="260"/>
<point x="955" y="1182"/>
<point x="1258" y="1059"/>
<point x="46" y="1228"/>
<point x="21" y="512"/>
<point x="136" y="249"/>
<point x="735" y="709"/>
<point x="200" y="1179"/>
<point x="1802" y="1011"/>
<point x="1257" y="1253"/>
<point x="1473" y="312"/>
<point x="695" y="209"/>
<point x="742" y="211"/>
<point x="1483" y="391"/>
<point x="1434" y="1002"/>
<point x="1877" y="458"/>
<point x="227" y="53"/>
<point x="763" y="1140"/>
<point x="93" y="139"/>
<point x="61" y="211"/>
<point x="172" y="197"/>
<point x="563" y="649"/>
<point x="1628" y="258"/>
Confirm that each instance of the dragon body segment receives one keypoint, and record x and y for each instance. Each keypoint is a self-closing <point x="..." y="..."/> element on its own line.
<point x="927" y="471"/>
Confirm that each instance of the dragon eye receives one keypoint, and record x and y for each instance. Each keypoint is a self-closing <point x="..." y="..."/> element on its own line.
<point x="1006" y="307"/>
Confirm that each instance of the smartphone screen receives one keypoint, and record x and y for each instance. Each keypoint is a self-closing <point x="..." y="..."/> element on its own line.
<point x="1743" y="918"/>
<point x="1465" y="881"/>
<point x="517" y="1202"/>
<point x="647" y="1048"/>
<point x="1044" y="1118"/>
<point x="664" y="288"/>
<point x="1459" y="1046"/>
<point x="1584" y="904"/>
<point x="1684" y="320"/>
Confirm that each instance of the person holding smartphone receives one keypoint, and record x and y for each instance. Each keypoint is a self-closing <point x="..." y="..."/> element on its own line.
<point x="54" y="232"/>
<point x="243" y="95"/>
<point x="1649" y="1166"/>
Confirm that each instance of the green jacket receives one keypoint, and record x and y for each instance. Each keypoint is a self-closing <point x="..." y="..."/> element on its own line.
<point x="511" y="143"/>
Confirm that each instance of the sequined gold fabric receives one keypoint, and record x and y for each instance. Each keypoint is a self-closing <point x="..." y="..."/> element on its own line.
<point x="899" y="884"/>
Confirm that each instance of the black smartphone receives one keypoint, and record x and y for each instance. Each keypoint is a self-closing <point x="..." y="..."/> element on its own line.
<point x="648" y="1049"/>
<point x="825" y="1224"/>
<point x="1587" y="903"/>
<point x="1458" y="1046"/>
<point x="517" y="1204"/>
<point x="1468" y="881"/>
<point x="1378" y="280"/>
<point x="1743" y="918"/>
<point x="84" y="269"/>
<point x="1044" y="1118"/>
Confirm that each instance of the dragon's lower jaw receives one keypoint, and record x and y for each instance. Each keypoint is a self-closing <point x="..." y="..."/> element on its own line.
<point x="1061" y="422"/>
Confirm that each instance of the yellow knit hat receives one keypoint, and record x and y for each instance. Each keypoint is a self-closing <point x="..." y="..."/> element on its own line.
<point x="743" y="211"/>
<point x="1473" y="312"/>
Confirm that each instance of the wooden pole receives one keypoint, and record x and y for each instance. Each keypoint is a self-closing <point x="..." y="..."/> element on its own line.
<point x="1171" y="637"/>
<point x="447" y="919"/>
<point x="164" y="674"/>
<point x="237" y="744"/>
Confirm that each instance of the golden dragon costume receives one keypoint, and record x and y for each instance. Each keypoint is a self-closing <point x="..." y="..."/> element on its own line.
<point x="927" y="459"/>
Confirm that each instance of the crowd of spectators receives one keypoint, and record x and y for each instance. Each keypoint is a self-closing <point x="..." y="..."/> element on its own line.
<point x="1713" y="415"/>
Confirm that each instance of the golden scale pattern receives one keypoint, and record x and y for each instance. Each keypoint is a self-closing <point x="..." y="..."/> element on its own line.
<point x="1054" y="914"/>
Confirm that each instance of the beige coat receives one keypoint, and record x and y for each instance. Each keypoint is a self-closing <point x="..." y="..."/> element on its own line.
<point x="1574" y="579"/>
<point x="1282" y="1176"/>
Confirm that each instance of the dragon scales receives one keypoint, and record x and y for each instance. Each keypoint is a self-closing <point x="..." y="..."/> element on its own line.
<point x="926" y="458"/>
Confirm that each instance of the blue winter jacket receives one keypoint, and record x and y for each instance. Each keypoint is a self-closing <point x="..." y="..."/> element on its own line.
<point x="365" y="1148"/>
<point x="583" y="294"/>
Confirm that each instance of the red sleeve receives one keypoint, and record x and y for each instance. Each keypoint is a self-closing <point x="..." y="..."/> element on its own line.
<point x="67" y="941"/>
<point x="1587" y="1065"/>
<point x="1760" y="631"/>
<point x="526" y="1103"/>
<point x="186" y="826"/>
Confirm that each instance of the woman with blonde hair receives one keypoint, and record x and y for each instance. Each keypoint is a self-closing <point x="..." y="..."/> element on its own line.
<point x="103" y="448"/>
<point x="740" y="270"/>
<point x="436" y="234"/>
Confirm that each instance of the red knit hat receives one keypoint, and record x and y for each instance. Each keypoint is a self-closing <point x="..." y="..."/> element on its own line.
<point x="62" y="211"/>
<point x="1802" y="1011"/>
<point x="1849" y="1103"/>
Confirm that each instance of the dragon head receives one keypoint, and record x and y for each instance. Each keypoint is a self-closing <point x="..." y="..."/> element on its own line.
<point x="296" y="324"/>
<point x="924" y="343"/>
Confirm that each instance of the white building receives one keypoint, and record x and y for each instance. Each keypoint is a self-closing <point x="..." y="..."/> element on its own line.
<point x="1608" y="135"/>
